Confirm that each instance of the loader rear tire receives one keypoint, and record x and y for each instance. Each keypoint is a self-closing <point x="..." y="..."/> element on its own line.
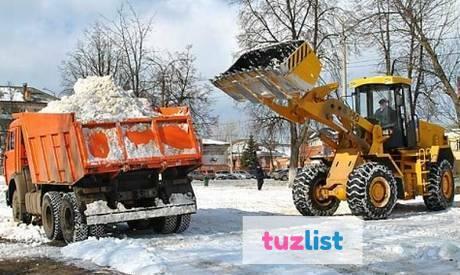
<point x="73" y="223"/>
<point x="18" y="213"/>
<point x="372" y="191"/>
<point x="305" y="192"/>
<point x="440" y="187"/>
<point x="51" y="205"/>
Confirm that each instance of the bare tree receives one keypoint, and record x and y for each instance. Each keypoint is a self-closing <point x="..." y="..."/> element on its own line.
<point x="130" y="33"/>
<point x="95" y="54"/>
<point x="177" y="82"/>
<point x="440" y="23"/>
<point x="269" y="21"/>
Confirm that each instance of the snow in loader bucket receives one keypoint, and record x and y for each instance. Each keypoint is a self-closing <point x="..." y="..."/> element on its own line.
<point x="99" y="213"/>
<point x="276" y="71"/>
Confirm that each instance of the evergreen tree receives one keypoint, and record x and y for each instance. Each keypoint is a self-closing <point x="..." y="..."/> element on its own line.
<point x="249" y="156"/>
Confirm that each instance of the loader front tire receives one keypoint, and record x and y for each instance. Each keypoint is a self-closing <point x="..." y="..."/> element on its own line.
<point x="51" y="205"/>
<point x="306" y="195"/>
<point x="440" y="187"/>
<point x="372" y="191"/>
<point x="73" y="223"/>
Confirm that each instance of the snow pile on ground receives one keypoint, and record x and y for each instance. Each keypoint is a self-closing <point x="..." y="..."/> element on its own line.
<point x="412" y="240"/>
<point x="30" y="234"/>
<point x="11" y="230"/>
<point x="99" y="98"/>
<point x="125" y="255"/>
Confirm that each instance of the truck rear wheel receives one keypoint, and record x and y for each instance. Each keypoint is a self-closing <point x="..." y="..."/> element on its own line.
<point x="97" y="230"/>
<point x="372" y="191"/>
<point x="18" y="214"/>
<point x="172" y="224"/>
<point x="73" y="224"/>
<point x="440" y="187"/>
<point x="140" y="224"/>
<point x="51" y="205"/>
<point x="306" y="192"/>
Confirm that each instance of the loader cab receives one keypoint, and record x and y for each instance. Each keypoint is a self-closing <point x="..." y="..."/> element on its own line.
<point x="387" y="100"/>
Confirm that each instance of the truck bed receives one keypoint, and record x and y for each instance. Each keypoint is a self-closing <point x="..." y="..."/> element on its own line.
<point x="61" y="150"/>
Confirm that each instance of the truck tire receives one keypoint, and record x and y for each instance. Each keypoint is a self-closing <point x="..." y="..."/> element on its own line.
<point x="306" y="196"/>
<point x="183" y="222"/>
<point x="73" y="224"/>
<point x="440" y="187"/>
<point x="51" y="205"/>
<point x="165" y="225"/>
<point x="172" y="224"/>
<point x="97" y="230"/>
<point x="140" y="224"/>
<point x="372" y="191"/>
<point x="18" y="214"/>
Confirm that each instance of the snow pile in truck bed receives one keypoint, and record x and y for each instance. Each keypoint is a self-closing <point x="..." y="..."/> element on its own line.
<point x="100" y="99"/>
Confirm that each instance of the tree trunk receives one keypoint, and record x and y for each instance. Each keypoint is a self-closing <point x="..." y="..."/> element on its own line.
<point x="297" y="139"/>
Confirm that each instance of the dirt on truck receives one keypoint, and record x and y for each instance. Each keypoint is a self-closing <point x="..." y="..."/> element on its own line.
<point x="74" y="177"/>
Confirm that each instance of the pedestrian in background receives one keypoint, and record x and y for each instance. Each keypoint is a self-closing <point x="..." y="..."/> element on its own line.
<point x="260" y="175"/>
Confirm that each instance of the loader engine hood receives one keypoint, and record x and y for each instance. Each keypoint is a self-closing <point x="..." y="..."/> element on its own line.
<point x="278" y="71"/>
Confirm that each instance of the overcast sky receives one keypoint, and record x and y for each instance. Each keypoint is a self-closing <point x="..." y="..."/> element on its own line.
<point x="37" y="34"/>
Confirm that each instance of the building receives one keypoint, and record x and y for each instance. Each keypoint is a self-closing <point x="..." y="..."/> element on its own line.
<point x="215" y="155"/>
<point x="16" y="99"/>
<point x="453" y="137"/>
<point x="268" y="159"/>
<point x="313" y="148"/>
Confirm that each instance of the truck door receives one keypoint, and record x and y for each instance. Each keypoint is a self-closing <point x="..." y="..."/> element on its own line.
<point x="10" y="154"/>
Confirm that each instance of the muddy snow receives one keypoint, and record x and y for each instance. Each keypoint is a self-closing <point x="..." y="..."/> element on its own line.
<point x="99" y="98"/>
<point x="412" y="240"/>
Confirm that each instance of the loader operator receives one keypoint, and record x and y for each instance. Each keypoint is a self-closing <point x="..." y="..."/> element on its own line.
<point x="385" y="114"/>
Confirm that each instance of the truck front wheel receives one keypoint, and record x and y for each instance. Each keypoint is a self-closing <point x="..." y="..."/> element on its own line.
<point x="50" y="215"/>
<point x="18" y="214"/>
<point x="73" y="225"/>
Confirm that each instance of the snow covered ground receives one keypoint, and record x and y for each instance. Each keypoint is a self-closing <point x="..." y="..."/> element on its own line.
<point x="412" y="240"/>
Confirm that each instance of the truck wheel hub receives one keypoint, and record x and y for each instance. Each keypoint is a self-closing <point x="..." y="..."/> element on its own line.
<point x="379" y="192"/>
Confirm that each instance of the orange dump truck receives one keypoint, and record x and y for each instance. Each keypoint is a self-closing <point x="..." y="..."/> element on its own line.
<point x="75" y="177"/>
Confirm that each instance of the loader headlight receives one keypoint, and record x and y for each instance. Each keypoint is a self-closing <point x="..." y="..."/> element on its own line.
<point x="387" y="132"/>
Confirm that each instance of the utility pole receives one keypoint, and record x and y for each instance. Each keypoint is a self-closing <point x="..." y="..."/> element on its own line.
<point x="344" y="63"/>
<point x="231" y="154"/>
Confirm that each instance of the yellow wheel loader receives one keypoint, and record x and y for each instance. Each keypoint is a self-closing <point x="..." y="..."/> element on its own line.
<point x="382" y="151"/>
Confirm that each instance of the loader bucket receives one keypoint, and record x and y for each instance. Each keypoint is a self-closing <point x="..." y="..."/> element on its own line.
<point x="277" y="71"/>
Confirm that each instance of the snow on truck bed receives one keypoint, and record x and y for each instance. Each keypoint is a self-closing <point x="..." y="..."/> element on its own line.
<point x="99" y="98"/>
<point x="412" y="240"/>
